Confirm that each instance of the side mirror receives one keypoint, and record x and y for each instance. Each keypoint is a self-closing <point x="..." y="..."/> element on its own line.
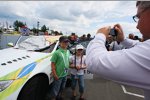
<point x="10" y="44"/>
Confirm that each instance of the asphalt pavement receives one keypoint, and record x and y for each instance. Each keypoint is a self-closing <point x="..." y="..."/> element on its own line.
<point x="101" y="89"/>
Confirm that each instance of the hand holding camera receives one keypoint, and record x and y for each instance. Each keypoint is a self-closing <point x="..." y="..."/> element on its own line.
<point x="116" y="31"/>
<point x="120" y="35"/>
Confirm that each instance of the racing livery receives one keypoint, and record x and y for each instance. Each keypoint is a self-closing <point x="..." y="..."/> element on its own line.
<point x="25" y="69"/>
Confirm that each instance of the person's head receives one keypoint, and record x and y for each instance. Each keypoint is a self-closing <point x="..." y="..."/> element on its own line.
<point x="79" y="49"/>
<point x="88" y="35"/>
<point x="143" y="16"/>
<point x="64" y="42"/>
<point x="131" y="36"/>
<point x="83" y="35"/>
<point x="136" y="38"/>
<point x="73" y="34"/>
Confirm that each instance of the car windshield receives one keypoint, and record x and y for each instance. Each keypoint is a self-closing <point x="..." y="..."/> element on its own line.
<point x="35" y="43"/>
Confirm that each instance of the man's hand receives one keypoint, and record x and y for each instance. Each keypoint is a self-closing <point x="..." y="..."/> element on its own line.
<point x="104" y="30"/>
<point x="120" y="36"/>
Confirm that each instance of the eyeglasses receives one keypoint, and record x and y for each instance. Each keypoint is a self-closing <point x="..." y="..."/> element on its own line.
<point x="137" y="16"/>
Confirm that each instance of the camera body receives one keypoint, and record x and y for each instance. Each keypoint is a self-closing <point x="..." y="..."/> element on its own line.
<point x="113" y="32"/>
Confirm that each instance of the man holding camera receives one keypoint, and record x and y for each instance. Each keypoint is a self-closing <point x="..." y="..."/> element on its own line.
<point x="128" y="66"/>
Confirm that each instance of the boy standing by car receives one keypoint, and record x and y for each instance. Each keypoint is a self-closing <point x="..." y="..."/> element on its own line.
<point x="60" y="65"/>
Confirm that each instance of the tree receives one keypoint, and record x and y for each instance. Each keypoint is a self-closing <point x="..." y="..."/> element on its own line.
<point x="60" y="33"/>
<point x="18" y="24"/>
<point x="34" y="30"/>
<point x="43" y="28"/>
<point x="56" y="32"/>
<point x="52" y="31"/>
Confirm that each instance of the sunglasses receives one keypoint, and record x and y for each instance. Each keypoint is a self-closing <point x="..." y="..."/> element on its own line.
<point x="80" y="49"/>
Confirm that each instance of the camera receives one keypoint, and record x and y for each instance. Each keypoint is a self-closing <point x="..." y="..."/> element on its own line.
<point x="113" y="32"/>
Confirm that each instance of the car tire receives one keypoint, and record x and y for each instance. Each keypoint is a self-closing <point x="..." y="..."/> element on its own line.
<point x="34" y="89"/>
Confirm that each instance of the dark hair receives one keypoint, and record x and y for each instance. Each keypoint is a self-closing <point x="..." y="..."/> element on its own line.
<point x="63" y="38"/>
<point x="136" y="37"/>
<point x="143" y="4"/>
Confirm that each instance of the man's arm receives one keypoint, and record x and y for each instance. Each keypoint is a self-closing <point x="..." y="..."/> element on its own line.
<point x="128" y="66"/>
<point x="128" y="43"/>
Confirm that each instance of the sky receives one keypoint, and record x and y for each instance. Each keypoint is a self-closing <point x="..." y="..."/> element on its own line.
<point x="80" y="17"/>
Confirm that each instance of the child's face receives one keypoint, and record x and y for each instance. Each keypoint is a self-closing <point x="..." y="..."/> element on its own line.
<point x="64" y="44"/>
<point x="80" y="51"/>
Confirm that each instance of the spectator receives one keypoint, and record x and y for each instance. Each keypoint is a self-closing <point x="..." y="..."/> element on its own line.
<point x="60" y="65"/>
<point x="89" y="37"/>
<point x="131" y="36"/>
<point x="77" y="65"/>
<point x="109" y="40"/>
<point x="73" y="38"/>
<point x="136" y="38"/>
<point x="83" y="37"/>
<point x="128" y="66"/>
<point x="115" y="45"/>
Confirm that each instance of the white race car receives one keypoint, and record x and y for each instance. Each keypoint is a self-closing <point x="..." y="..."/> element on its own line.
<point x="25" y="68"/>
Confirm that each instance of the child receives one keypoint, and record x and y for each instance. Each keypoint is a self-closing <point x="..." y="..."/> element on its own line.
<point x="60" y="65"/>
<point x="77" y="65"/>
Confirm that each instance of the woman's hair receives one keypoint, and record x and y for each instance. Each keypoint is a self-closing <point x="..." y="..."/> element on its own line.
<point x="143" y="4"/>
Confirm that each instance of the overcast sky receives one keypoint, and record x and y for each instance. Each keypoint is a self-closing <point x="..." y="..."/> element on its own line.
<point x="81" y="17"/>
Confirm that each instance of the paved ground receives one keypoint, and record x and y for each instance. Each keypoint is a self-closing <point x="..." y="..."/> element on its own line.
<point x="100" y="89"/>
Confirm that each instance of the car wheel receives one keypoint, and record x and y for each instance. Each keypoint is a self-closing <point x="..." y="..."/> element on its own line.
<point x="35" y="89"/>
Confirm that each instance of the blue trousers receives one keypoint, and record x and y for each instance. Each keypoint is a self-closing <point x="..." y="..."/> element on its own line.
<point x="80" y="79"/>
<point x="58" y="86"/>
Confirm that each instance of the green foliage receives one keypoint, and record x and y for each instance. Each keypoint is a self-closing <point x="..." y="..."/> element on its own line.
<point x="34" y="30"/>
<point x="18" y="24"/>
<point x="43" y="28"/>
<point x="56" y="32"/>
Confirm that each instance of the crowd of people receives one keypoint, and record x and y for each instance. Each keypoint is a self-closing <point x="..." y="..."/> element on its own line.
<point x="75" y="38"/>
<point x="135" y="37"/>
<point x="112" y="44"/>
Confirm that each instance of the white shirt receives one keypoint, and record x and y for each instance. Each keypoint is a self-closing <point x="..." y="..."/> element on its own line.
<point x="127" y="66"/>
<point x="115" y="46"/>
<point x="78" y="63"/>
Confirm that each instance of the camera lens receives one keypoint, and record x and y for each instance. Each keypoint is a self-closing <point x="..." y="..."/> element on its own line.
<point x="113" y="32"/>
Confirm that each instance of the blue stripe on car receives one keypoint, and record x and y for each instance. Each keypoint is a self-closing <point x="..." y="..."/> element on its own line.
<point x="26" y="70"/>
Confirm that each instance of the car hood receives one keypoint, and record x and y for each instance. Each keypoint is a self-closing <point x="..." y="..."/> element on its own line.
<point x="14" y="59"/>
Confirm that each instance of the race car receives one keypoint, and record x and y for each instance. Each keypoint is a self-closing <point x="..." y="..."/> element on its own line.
<point x="25" y="71"/>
